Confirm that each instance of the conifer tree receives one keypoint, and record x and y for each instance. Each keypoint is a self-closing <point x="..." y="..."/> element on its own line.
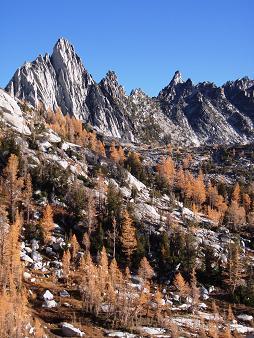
<point x="121" y="155"/>
<point x="47" y="223"/>
<point x="181" y="285"/>
<point x="86" y="241"/>
<point x="27" y="196"/>
<point x="74" y="247"/>
<point x="128" y="236"/>
<point x="202" y="331"/>
<point x="145" y="270"/>
<point x="39" y="331"/>
<point x="114" y="155"/>
<point x="180" y="180"/>
<point x="195" y="293"/>
<point x="212" y="195"/>
<point x="92" y="141"/>
<point x="15" y="264"/>
<point x="159" y="305"/>
<point x="227" y="333"/>
<point x="100" y="148"/>
<point x="246" y="202"/>
<point x="134" y="164"/>
<point x="174" y="330"/>
<point x="236" y="193"/>
<point x="90" y="212"/>
<point x="189" y="185"/>
<point x="115" y="274"/>
<point x="112" y="235"/>
<point x="213" y="331"/>
<point x="167" y="171"/>
<point x="187" y="161"/>
<point x="236" y="215"/>
<point x="234" y="274"/>
<point x="199" y="190"/>
<point x="103" y="269"/>
<point x="66" y="264"/>
<point x="230" y="316"/>
<point x="89" y="285"/>
<point x="12" y="185"/>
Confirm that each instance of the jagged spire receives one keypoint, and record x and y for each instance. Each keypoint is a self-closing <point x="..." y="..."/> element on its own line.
<point x="63" y="43"/>
<point x="177" y="78"/>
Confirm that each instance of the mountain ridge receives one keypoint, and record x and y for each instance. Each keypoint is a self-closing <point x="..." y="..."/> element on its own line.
<point x="182" y="113"/>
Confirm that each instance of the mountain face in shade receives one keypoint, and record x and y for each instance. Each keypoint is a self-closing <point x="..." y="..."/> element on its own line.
<point x="182" y="113"/>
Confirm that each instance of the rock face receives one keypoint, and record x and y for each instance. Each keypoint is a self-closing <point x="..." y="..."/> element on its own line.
<point x="182" y="113"/>
<point x="11" y="114"/>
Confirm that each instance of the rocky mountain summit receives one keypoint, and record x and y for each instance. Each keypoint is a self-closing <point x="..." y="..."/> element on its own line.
<point x="182" y="113"/>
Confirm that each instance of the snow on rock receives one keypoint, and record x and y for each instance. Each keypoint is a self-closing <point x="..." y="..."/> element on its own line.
<point x="38" y="266"/>
<point x="44" y="146"/>
<point x="49" y="304"/>
<point x="68" y="330"/>
<point x="48" y="295"/>
<point x="152" y="330"/>
<point x="245" y="318"/>
<point x="25" y="257"/>
<point x="35" y="244"/>
<point x="28" y="249"/>
<point x="68" y="145"/>
<point x="185" y="321"/>
<point x="36" y="256"/>
<point x="12" y="114"/>
<point x="241" y="328"/>
<point x="121" y="334"/>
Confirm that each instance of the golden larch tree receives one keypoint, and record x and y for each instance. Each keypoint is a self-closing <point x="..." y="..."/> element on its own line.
<point x="47" y="223"/>
<point x="74" y="247"/>
<point x="166" y="170"/>
<point x="181" y="285"/>
<point x="199" y="190"/>
<point x="114" y="155"/>
<point x="145" y="270"/>
<point x="128" y="236"/>
<point x="66" y="264"/>
<point x="121" y="155"/>
<point x="12" y="185"/>
<point x="236" y="193"/>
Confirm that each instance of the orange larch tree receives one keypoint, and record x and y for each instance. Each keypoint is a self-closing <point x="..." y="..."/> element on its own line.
<point x="47" y="223"/>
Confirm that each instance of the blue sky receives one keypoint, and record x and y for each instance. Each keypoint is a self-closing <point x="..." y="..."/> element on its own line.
<point x="144" y="41"/>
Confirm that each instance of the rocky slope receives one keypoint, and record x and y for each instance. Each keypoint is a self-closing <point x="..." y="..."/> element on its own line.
<point x="57" y="304"/>
<point x="183" y="113"/>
